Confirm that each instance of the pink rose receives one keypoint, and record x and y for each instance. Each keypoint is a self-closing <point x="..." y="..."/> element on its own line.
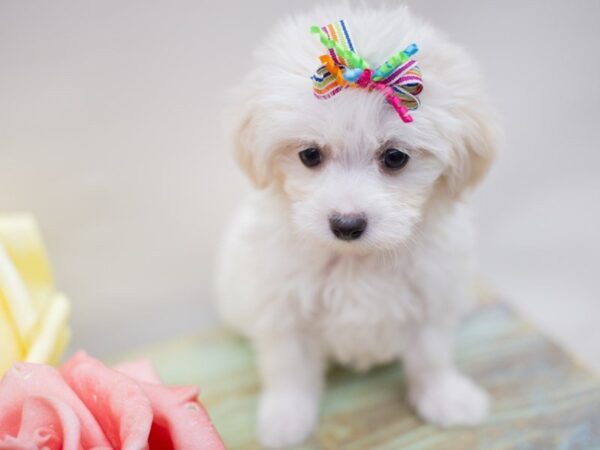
<point x="87" y="405"/>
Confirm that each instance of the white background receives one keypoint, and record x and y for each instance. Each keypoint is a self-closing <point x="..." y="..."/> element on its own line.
<point x="110" y="134"/>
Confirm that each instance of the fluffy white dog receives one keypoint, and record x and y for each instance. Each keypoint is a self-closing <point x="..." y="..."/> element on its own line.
<point x="356" y="247"/>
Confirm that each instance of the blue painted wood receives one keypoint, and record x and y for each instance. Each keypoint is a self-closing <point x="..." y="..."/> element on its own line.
<point x="542" y="399"/>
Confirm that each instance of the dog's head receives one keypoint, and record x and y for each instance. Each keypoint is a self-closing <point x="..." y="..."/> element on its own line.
<point x="354" y="174"/>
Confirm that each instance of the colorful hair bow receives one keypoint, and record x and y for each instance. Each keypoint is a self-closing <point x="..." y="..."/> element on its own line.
<point x="398" y="79"/>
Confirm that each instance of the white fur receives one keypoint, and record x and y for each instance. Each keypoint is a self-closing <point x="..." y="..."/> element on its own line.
<point x="305" y="298"/>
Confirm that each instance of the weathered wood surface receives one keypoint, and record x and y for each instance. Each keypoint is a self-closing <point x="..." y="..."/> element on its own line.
<point x="542" y="399"/>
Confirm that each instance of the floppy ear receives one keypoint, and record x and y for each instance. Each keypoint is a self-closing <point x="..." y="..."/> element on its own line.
<point x="249" y="151"/>
<point x="473" y="151"/>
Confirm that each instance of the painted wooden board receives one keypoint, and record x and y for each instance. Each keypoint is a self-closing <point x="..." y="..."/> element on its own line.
<point x="542" y="399"/>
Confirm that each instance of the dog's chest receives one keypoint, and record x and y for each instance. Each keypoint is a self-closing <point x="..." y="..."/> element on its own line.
<point x="361" y="311"/>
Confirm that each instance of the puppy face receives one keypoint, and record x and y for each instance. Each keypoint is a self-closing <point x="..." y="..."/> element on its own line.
<point x="358" y="180"/>
<point x="354" y="175"/>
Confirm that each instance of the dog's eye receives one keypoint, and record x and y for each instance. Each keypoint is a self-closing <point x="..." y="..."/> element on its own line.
<point x="394" y="159"/>
<point x="311" y="157"/>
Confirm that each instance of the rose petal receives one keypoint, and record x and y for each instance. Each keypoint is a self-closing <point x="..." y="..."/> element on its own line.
<point x="180" y="422"/>
<point x="26" y="381"/>
<point x="50" y="424"/>
<point x="11" y="443"/>
<point x="95" y="407"/>
<point x="119" y="404"/>
<point x="177" y="412"/>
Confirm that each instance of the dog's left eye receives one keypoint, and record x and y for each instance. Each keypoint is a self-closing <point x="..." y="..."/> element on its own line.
<point x="394" y="159"/>
<point x="311" y="157"/>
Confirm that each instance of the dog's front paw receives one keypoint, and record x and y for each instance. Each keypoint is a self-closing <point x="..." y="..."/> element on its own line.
<point x="450" y="399"/>
<point x="286" y="418"/>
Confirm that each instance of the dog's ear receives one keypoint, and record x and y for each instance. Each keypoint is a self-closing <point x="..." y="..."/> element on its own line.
<point x="248" y="148"/>
<point x="473" y="150"/>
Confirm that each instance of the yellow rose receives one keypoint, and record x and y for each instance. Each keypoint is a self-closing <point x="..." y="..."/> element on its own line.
<point x="33" y="316"/>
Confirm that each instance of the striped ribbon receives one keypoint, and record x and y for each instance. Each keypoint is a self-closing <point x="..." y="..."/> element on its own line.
<point x="398" y="79"/>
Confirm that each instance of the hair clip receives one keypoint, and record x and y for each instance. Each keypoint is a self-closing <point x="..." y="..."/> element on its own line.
<point x="398" y="79"/>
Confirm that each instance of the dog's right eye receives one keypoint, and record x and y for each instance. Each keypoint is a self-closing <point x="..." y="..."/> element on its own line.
<point x="311" y="157"/>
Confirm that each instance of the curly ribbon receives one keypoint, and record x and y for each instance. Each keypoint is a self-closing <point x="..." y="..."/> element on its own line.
<point x="398" y="79"/>
<point x="333" y="69"/>
<point x="391" y="64"/>
<point x="340" y="44"/>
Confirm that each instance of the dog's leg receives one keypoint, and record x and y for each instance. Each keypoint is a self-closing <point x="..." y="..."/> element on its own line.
<point x="437" y="390"/>
<point x="292" y="372"/>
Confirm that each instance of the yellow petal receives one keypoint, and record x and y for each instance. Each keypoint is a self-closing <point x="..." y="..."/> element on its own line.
<point x="15" y="296"/>
<point x="49" y="337"/>
<point x="63" y="340"/>
<point x="11" y="349"/>
<point x="33" y="318"/>
<point x="24" y="246"/>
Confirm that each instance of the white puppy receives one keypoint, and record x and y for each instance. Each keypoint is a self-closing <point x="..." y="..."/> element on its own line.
<point x="356" y="247"/>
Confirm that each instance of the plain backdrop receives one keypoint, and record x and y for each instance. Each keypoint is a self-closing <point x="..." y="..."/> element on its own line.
<point x="110" y="134"/>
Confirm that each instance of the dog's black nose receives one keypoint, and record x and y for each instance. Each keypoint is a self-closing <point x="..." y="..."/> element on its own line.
<point x="347" y="227"/>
